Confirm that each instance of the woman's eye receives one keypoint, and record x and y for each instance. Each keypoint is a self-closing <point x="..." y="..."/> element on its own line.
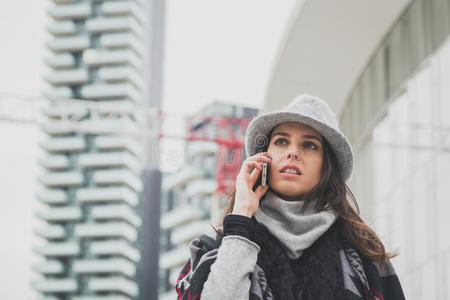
<point x="277" y="141"/>
<point x="309" y="143"/>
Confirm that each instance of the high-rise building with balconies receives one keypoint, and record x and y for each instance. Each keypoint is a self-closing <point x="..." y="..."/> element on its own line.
<point x="105" y="51"/>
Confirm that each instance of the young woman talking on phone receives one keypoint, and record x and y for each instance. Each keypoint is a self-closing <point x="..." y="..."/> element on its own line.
<point x="300" y="236"/>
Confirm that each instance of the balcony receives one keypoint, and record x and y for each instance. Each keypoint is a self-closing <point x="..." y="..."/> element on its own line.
<point x="189" y="231"/>
<point x="109" y="159"/>
<point x="52" y="196"/>
<point x="62" y="179"/>
<point x="59" y="92"/>
<point x="64" y="144"/>
<point x="112" y="74"/>
<point x="46" y="298"/>
<point x="50" y="267"/>
<point x="65" y="1"/>
<point x="58" y="249"/>
<point x="174" y="258"/>
<point x="61" y="214"/>
<point x="201" y="187"/>
<point x="51" y="232"/>
<point x="113" y="265"/>
<point x="107" y="194"/>
<point x="95" y="57"/>
<point x="123" y="8"/>
<point x="61" y="61"/>
<point x="115" y="247"/>
<point x="112" y="90"/>
<point x="113" y="284"/>
<point x="116" y="211"/>
<point x="71" y="11"/>
<point x="119" y="107"/>
<point x="110" y="229"/>
<point x="110" y="125"/>
<point x="62" y="28"/>
<point x="111" y="24"/>
<point x="56" y="129"/>
<point x="178" y="180"/>
<point x="73" y="43"/>
<point x="55" y="285"/>
<point x="202" y="148"/>
<point x="117" y="142"/>
<point x="118" y="176"/>
<point x="181" y="215"/>
<point x="68" y="77"/>
<point x="110" y="297"/>
<point x="74" y="112"/>
<point x="122" y="40"/>
<point x="55" y="162"/>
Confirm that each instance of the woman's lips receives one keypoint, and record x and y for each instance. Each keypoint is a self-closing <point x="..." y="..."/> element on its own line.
<point x="289" y="175"/>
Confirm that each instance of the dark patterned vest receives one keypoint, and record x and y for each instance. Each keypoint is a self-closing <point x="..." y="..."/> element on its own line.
<point x="316" y="275"/>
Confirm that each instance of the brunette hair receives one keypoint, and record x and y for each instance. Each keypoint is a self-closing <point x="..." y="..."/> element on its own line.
<point x="331" y="192"/>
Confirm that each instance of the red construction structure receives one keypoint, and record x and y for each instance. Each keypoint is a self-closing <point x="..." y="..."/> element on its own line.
<point x="228" y="131"/>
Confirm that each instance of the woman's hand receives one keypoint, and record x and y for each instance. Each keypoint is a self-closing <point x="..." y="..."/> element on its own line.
<point x="246" y="200"/>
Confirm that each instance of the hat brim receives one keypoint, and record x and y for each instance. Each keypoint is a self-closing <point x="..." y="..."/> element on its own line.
<point x="256" y="139"/>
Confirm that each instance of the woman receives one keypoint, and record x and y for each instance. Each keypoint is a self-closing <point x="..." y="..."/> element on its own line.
<point x="299" y="237"/>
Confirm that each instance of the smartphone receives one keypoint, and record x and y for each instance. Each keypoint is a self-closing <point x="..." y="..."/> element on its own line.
<point x="263" y="179"/>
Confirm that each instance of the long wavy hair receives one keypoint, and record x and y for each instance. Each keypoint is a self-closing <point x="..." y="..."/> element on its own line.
<point x="331" y="192"/>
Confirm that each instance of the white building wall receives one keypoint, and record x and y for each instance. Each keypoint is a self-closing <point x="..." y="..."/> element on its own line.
<point x="411" y="159"/>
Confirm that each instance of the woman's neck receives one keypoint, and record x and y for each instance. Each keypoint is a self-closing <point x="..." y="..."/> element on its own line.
<point x="284" y="197"/>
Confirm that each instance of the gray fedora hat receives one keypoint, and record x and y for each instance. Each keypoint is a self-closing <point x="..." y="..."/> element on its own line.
<point x="311" y="111"/>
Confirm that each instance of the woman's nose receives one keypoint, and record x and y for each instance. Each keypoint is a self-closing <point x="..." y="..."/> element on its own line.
<point x="294" y="154"/>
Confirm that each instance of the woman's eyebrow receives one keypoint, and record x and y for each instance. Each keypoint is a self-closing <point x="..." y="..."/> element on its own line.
<point x="308" y="136"/>
<point x="281" y="133"/>
<point x="312" y="137"/>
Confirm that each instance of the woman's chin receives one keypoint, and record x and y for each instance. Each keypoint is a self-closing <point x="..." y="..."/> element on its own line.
<point x="288" y="185"/>
<point x="288" y="190"/>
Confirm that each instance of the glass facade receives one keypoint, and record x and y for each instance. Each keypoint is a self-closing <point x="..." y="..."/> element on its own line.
<point x="397" y="117"/>
<point x="411" y="159"/>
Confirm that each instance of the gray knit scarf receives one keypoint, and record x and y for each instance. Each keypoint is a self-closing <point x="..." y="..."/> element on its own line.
<point x="296" y="230"/>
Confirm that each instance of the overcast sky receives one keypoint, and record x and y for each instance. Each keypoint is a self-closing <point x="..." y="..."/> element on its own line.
<point x="214" y="50"/>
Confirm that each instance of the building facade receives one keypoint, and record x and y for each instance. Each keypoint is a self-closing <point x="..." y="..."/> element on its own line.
<point x="100" y="51"/>
<point x="397" y="115"/>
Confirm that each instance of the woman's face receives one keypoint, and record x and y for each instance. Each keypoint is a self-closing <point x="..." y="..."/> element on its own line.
<point x="299" y="146"/>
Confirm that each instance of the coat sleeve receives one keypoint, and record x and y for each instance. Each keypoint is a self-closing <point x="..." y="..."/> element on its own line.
<point x="229" y="277"/>
<point x="390" y="283"/>
<point x="383" y="280"/>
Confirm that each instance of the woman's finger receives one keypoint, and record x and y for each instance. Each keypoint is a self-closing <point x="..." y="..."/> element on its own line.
<point x="260" y="157"/>
<point x="254" y="176"/>
<point x="249" y="165"/>
<point x="249" y="162"/>
<point x="261" y="190"/>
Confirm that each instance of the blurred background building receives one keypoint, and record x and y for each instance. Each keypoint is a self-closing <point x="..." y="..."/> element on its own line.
<point x="109" y="52"/>
<point x="194" y="198"/>
<point x="384" y="68"/>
